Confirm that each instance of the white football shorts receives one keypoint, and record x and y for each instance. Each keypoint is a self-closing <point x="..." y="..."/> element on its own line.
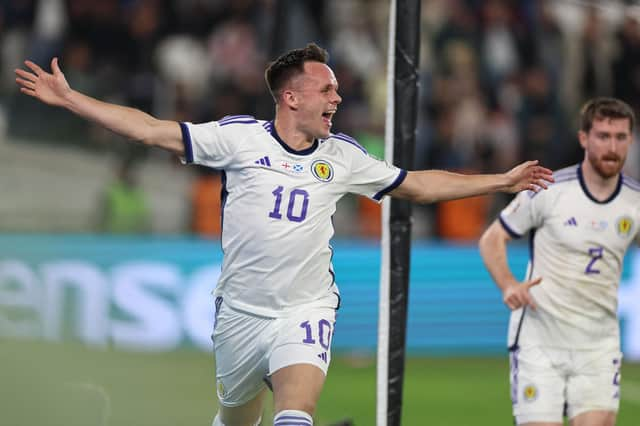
<point x="249" y="349"/>
<point x="548" y="384"/>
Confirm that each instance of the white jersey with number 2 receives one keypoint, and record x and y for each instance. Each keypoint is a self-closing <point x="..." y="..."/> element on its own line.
<point x="577" y="247"/>
<point x="277" y="209"/>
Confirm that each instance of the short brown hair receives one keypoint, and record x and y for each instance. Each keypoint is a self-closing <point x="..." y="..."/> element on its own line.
<point x="291" y="64"/>
<point x="601" y="108"/>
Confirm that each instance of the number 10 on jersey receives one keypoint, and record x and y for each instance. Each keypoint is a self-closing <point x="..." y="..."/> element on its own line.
<point x="297" y="204"/>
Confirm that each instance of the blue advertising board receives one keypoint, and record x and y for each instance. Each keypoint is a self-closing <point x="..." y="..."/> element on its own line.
<point x="154" y="294"/>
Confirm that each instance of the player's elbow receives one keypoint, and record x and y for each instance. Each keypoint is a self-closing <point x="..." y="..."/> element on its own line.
<point x="492" y="240"/>
<point x="163" y="134"/>
<point x="487" y="241"/>
<point x="149" y="133"/>
<point x="415" y="190"/>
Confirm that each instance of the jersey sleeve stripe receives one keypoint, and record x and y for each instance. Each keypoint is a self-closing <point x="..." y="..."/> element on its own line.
<point x="568" y="171"/>
<point x="564" y="179"/>
<point x="631" y="183"/>
<point x="632" y="187"/>
<point x="394" y="185"/>
<point x="234" y="117"/>
<point x="349" y="139"/>
<point x="186" y="140"/>
<point x="238" y="121"/>
<point x="557" y="181"/>
<point x="507" y="228"/>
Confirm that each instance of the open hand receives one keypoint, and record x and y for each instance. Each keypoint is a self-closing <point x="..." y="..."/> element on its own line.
<point x="517" y="295"/>
<point x="50" y="88"/>
<point x="528" y="176"/>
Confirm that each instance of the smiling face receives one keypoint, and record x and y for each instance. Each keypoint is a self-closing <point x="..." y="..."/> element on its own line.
<point x="606" y="145"/>
<point x="313" y="97"/>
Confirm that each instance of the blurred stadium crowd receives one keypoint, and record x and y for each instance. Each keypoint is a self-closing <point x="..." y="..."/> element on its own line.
<point x="500" y="81"/>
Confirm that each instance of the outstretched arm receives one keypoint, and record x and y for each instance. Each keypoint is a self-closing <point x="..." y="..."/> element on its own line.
<point x="493" y="249"/>
<point x="53" y="89"/>
<point x="428" y="186"/>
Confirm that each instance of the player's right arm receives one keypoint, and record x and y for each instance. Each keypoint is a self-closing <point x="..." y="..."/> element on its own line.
<point x="493" y="249"/>
<point x="53" y="89"/>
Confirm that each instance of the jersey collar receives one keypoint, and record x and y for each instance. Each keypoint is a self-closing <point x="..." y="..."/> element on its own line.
<point x="287" y="148"/>
<point x="591" y="197"/>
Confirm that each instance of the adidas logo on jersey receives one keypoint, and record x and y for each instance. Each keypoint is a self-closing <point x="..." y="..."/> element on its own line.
<point x="264" y="161"/>
<point x="323" y="356"/>
<point x="571" y="222"/>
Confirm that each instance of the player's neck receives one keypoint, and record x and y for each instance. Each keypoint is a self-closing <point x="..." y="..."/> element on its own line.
<point x="291" y="135"/>
<point x="599" y="186"/>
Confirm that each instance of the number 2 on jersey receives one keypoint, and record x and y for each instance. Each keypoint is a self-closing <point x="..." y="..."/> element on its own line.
<point x="294" y="213"/>
<point x="595" y="253"/>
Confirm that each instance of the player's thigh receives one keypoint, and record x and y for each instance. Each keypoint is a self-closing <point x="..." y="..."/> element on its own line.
<point x="303" y="338"/>
<point x="594" y="418"/>
<point x="297" y="387"/>
<point x="595" y="386"/>
<point x="300" y="358"/>
<point x="537" y="387"/>
<point x="241" y="347"/>
<point x="247" y="414"/>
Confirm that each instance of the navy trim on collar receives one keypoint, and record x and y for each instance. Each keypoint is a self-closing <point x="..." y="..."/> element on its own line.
<point x="591" y="197"/>
<point x="287" y="148"/>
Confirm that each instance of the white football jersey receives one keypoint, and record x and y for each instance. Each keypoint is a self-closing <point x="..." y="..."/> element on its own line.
<point x="277" y="205"/>
<point x="577" y="246"/>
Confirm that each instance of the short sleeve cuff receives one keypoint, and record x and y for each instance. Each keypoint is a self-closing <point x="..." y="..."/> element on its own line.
<point x="401" y="176"/>
<point x="188" y="146"/>
<point x="509" y="229"/>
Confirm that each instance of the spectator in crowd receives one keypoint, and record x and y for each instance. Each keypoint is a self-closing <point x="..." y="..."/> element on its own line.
<point x="205" y="203"/>
<point x="527" y="64"/>
<point x="124" y="208"/>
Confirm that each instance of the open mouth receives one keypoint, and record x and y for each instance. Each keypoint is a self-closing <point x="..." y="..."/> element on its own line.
<point x="327" y="116"/>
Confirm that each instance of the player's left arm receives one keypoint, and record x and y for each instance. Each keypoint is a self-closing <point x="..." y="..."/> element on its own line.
<point x="428" y="186"/>
<point x="493" y="250"/>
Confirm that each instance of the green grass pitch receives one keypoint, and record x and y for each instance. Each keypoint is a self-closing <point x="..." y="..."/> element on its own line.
<point x="54" y="385"/>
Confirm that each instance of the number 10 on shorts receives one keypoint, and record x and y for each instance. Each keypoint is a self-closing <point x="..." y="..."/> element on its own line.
<point x="323" y="333"/>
